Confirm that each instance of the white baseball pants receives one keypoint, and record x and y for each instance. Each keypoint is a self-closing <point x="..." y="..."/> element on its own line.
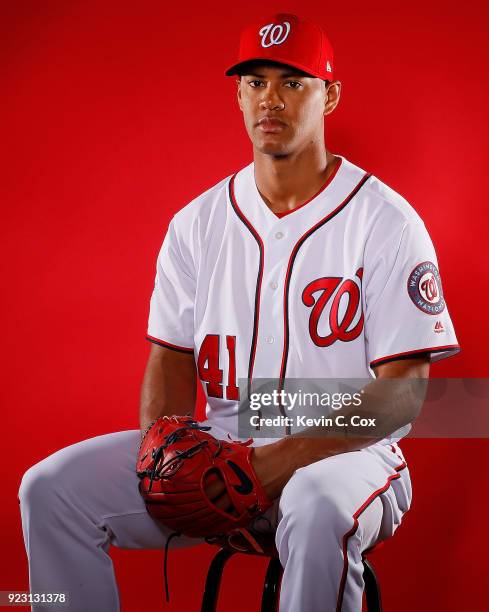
<point x="84" y="498"/>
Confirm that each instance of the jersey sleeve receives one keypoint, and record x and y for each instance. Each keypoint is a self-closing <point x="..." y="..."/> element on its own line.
<point x="171" y="313"/>
<point x="405" y="310"/>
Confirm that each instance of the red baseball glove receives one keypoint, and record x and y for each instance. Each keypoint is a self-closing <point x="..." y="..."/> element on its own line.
<point x="177" y="459"/>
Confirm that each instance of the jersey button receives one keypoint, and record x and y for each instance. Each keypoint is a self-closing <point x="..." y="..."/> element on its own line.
<point x="279" y="235"/>
<point x="273" y="285"/>
<point x="270" y="339"/>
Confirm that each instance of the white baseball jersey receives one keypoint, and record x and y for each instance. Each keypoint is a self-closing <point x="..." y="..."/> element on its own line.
<point x="342" y="283"/>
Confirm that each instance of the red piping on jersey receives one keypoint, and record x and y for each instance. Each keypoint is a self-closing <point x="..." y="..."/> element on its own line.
<point x="394" y="450"/>
<point x="173" y="347"/>
<point x="293" y="255"/>
<point x="256" y="314"/>
<point x="330" y="178"/>
<point x="433" y="349"/>
<point x="353" y="530"/>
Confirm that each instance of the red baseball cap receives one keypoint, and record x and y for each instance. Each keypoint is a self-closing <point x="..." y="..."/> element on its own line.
<point x="287" y="39"/>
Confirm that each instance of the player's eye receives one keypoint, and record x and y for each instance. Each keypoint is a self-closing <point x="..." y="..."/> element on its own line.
<point x="255" y="83"/>
<point x="293" y="84"/>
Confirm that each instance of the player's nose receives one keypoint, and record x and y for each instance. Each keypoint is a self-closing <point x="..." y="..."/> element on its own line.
<point x="271" y="100"/>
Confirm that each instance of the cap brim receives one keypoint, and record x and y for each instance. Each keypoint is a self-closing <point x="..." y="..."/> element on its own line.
<point x="236" y="68"/>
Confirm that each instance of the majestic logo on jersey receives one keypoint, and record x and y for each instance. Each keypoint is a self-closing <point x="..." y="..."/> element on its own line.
<point x="439" y="329"/>
<point x="344" y="309"/>
<point x="274" y="33"/>
<point x="424" y="288"/>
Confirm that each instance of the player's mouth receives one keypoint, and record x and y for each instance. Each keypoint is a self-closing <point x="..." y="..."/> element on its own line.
<point x="271" y="125"/>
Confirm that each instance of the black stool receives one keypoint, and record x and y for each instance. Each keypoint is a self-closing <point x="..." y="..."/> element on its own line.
<point x="271" y="587"/>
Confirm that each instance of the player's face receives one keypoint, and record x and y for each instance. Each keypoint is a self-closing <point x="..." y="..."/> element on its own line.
<point x="283" y="109"/>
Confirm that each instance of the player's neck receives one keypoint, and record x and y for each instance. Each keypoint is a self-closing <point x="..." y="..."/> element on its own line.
<point x="287" y="182"/>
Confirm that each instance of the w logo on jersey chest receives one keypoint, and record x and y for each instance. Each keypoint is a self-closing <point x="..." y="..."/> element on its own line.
<point x="329" y="293"/>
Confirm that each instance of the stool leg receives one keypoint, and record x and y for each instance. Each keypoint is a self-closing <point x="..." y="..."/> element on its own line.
<point x="269" y="601"/>
<point x="213" y="580"/>
<point x="372" y="589"/>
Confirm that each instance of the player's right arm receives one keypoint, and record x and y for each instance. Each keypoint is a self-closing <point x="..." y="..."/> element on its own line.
<point x="169" y="385"/>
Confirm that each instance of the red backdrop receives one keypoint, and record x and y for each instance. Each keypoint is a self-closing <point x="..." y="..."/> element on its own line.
<point x="115" y="115"/>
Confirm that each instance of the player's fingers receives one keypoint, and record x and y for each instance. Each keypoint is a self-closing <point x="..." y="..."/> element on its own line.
<point x="214" y="487"/>
<point x="216" y="490"/>
<point x="223" y="502"/>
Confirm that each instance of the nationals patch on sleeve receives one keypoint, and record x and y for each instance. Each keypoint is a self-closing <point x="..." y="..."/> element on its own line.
<point x="424" y="288"/>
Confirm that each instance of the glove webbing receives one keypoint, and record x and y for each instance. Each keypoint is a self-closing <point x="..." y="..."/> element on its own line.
<point x="158" y="472"/>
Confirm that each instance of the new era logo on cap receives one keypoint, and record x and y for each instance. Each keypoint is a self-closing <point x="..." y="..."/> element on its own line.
<point x="286" y="39"/>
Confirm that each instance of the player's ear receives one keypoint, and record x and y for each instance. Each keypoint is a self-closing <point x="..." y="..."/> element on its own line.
<point x="332" y="97"/>
<point x="238" y="81"/>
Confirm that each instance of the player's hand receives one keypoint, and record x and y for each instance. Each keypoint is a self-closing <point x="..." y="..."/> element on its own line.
<point x="265" y="461"/>
<point x="274" y="466"/>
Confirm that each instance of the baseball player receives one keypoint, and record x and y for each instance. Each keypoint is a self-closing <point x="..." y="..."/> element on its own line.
<point x="300" y="265"/>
